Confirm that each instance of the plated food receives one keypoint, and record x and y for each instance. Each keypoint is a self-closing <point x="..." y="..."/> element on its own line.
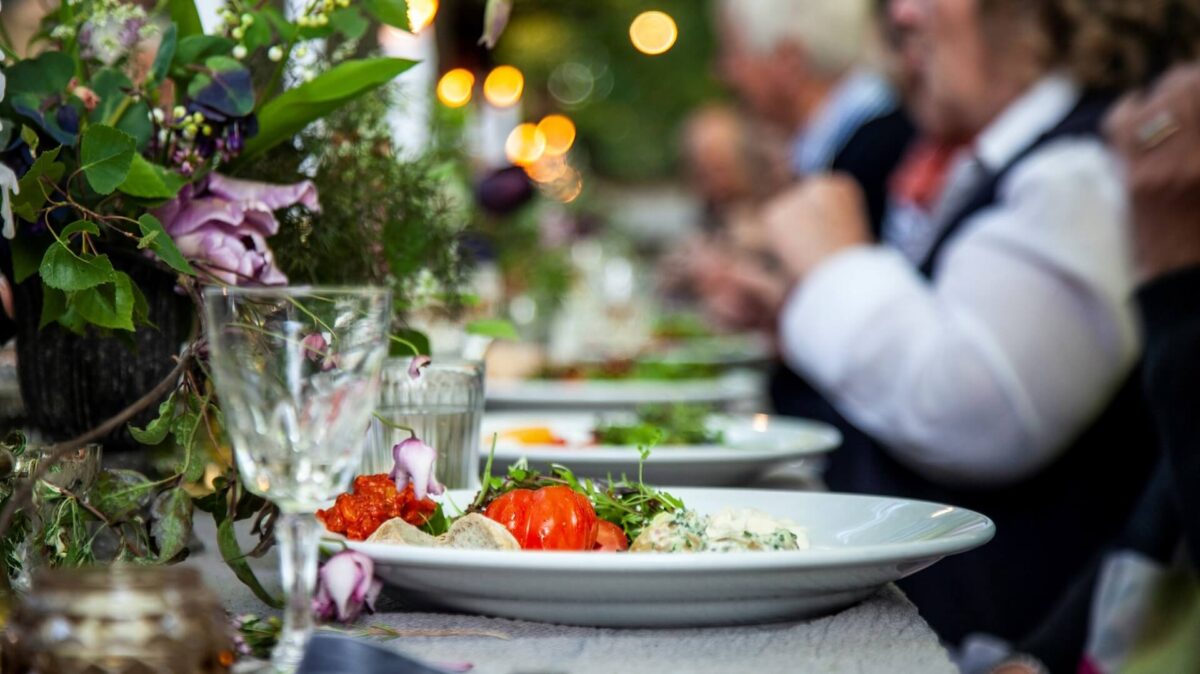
<point x="623" y="393"/>
<point x="739" y="447"/>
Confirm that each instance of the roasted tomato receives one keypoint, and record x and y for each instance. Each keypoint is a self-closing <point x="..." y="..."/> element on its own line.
<point x="611" y="538"/>
<point x="551" y="518"/>
<point x="373" y="501"/>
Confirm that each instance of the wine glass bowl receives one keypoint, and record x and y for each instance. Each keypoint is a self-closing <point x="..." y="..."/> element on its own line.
<point x="297" y="372"/>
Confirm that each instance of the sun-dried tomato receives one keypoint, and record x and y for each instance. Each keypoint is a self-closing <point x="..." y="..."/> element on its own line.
<point x="374" y="500"/>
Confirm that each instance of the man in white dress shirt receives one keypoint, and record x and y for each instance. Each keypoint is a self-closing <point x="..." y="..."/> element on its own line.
<point x="990" y="366"/>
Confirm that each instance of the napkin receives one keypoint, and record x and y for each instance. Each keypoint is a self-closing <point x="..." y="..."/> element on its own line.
<point x="335" y="654"/>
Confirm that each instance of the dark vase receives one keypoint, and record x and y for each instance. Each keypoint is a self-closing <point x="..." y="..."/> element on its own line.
<point x="71" y="384"/>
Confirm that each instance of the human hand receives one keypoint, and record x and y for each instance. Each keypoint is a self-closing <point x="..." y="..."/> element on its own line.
<point x="743" y="295"/>
<point x="815" y="220"/>
<point x="1158" y="135"/>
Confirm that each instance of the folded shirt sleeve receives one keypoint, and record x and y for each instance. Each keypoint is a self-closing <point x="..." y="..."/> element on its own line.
<point x="983" y="375"/>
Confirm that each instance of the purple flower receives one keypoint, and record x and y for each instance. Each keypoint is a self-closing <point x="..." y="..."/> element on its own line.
<point x="495" y="18"/>
<point x="222" y="224"/>
<point x="416" y="462"/>
<point x="415" y="365"/>
<point x="345" y="585"/>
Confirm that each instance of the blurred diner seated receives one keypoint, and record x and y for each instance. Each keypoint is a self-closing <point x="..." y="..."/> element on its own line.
<point x="993" y="362"/>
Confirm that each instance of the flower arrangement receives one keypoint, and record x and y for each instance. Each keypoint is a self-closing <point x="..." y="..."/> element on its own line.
<point x="134" y="138"/>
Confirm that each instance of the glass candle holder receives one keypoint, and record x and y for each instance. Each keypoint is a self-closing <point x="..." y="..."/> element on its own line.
<point x="118" y="620"/>
<point x="444" y="407"/>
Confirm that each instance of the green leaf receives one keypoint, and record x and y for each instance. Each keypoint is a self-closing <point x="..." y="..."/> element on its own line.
<point x="231" y="552"/>
<point x="80" y="226"/>
<point x="136" y="123"/>
<point x="156" y="431"/>
<point x="118" y="493"/>
<point x="33" y="193"/>
<point x="106" y="155"/>
<point x="61" y="268"/>
<point x="163" y="245"/>
<point x="48" y="73"/>
<point x="27" y="254"/>
<point x="109" y="305"/>
<point x="288" y="113"/>
<point x="141" y="308"/>
<point x="402" y="342"/>
<point x="30" y="137"/>
<point x="185" y="430"/>
<point x="391" y="12"/>
<point x="151" y="181"/>
<point x="224" y="86"/>
<point x="171" y="522"/>
<point x="111" y="85"/>
<point x="349" y="22"/>
<point x="186" y="17"/>
<point x="166" y="53"/>
<point x="194" y="49"/>
<point x="495" y="328"/>
<point x="54" y="305"/>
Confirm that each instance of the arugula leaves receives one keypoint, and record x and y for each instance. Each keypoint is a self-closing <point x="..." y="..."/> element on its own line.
<point x="663" y="424"/>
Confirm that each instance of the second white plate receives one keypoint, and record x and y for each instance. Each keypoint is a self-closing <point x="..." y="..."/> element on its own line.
<point x="752" y="444"/>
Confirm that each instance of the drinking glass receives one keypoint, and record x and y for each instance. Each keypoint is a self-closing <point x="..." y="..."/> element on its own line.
<point x="444" y="407"/>
<point x="297" y="372"/>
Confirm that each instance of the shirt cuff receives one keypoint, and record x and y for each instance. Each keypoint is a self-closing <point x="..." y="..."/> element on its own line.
<point x="836" y="301"/>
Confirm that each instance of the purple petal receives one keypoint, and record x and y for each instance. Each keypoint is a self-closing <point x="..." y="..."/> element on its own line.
<point x="495" y="19"/>
<point x="347" y="580"/>
<point x="314" y="347"/>
<point x="414" y="367"/>
<point x="272" y="197"/>
<point x="416" y="461"/>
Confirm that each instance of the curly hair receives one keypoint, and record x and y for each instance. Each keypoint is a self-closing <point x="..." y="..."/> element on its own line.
<point x="1116" y="45"/>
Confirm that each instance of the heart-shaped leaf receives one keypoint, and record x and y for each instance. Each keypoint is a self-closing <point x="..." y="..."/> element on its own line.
<point x="119" y="492"/>
<point x="224" y="87"/>
<point x="106" y="154"/>
<point x="171" y="523"/>
<point x="61" y="268"/>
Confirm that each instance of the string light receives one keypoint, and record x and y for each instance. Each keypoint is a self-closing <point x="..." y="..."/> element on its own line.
<point x="455" y="87"/>
<point x="653" y="32"/>
<point x="559" y="131"/>
<point x="421" y="13"/>
<point x="503" y="86"/>
<point x="525" y="145"/>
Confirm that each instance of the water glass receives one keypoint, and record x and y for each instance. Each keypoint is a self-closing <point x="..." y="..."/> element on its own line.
<point x="444" y="407"/>
<point x="297" y="373"/>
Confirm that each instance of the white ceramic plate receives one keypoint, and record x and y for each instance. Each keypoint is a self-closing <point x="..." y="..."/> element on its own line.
<point x="621" y="394"/>
<point x="753" y="443"/>
<point x="858" y="543"/>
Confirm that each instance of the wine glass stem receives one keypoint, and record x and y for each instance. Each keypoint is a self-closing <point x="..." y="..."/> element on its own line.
<point x="298" y="535"/>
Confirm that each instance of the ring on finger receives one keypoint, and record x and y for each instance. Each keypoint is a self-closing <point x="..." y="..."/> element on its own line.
<point x="1156" y="130"/>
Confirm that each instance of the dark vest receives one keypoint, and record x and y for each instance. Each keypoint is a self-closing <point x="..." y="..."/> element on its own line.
<point x="1047" y="526"/>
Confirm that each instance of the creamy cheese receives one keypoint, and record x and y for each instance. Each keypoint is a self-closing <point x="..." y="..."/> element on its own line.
<point x="729" y="530"/>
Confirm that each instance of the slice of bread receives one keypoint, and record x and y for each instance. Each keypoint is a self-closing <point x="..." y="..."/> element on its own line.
<point x="477" y="532"/>
<point x="399" y="532"/>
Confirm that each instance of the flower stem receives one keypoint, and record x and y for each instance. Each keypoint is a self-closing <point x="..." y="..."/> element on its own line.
<point x="391" y="424"/>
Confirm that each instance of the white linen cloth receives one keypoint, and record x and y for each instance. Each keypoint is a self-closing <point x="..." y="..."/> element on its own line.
<point x="985" y="374"/>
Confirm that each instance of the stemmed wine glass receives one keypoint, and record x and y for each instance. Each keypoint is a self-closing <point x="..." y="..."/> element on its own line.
<point x="297" y="370"/>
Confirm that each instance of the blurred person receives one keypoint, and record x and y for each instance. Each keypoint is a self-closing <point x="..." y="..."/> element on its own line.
<point x="999" y="372"/>
<point x="1138" y="607"/>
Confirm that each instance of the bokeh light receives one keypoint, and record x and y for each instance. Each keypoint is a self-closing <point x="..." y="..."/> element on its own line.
<point x="653" y="32"/>
<point x="547" y="169"/>
<point x="421" y="13"/>
<point x="525" y="145"/>
<point x="567" y="188"/>
<point x="559" y="131"/>
<point x="503" y="86"/>
<point x="454" y="89"/>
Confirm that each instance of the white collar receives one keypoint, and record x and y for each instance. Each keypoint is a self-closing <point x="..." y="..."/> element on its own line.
<point x="1033" y="113"/>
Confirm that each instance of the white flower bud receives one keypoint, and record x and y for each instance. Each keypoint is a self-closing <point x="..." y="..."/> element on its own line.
<point x="239" y="52"/>
<point x="247" y="19"/>
<point x="275" y="53"/>
<point x="179" y="112"/>
<point x="238" y="33"/>
<point x="197" y="117"/>
<point x="158" y="115"/>
<point x="301" y="51"/>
